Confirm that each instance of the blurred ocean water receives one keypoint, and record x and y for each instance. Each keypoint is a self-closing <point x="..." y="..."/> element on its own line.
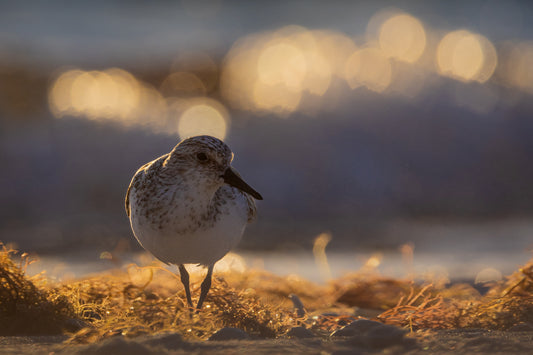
<point x="342" y="125"/>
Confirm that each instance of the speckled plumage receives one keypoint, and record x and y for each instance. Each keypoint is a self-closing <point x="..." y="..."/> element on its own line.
<point x="180" y="207"/>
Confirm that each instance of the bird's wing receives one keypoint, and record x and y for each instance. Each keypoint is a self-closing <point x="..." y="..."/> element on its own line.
<point x="144" y="171"/>
<point x="138" y="176"/>
<point x="252" y="210"/>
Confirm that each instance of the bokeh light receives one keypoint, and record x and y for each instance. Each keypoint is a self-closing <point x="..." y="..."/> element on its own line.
<point x="369" y="67"/>
<point x="402" y="37"/>
<point x="318" y="73"/>
<point x="198" y="116"/>
<point x="282" y="63"/>
<point x="231" y="262"/>
<point x="278" y="99"/>
<point x="272" y="71"/>
<point x="517" y="69"/>
<point x="110" y="94"/>
<point x="488" y="275"/>
<point x="466" y="56"/>
<point x="59" y="95"/>
<point x="152" y="109"/>
<point x="408" y="81"/>
<point x="335" y="48"/>
<point x="373" y="262"/>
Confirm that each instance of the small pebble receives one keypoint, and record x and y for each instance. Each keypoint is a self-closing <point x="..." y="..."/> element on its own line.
<point x="229" y="334"/>
<point x="385" y="336"/>
<point x="300" y="332"/>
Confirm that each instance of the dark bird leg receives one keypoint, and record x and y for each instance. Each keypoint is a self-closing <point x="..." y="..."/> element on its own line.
<point x="185" y="281"/>
<point x="206" y="285"/>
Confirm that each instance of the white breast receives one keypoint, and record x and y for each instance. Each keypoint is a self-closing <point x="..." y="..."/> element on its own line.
<point x="181" y="236"/>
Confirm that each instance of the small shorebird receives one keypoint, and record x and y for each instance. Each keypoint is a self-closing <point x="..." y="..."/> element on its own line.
<point x="190" y="207"/>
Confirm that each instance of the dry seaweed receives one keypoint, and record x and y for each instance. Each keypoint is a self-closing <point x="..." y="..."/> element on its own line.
<point x="24" y="307"/>
<point x="114" y="305"/>
<point x="372" y="290"/>
<point x="504" y="306"/>
<point x="144" y="300"/>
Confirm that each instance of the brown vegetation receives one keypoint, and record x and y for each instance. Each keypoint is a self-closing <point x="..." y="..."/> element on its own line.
<point x="146" y="300"/>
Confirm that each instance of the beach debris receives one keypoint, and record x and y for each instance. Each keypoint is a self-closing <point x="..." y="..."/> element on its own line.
<point x="298" y="305"/>
<point x="372" y="291"/>
<point x="25" y="308"/>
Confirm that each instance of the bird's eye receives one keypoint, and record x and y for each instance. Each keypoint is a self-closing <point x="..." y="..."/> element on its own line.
<point x="201" y="157"/>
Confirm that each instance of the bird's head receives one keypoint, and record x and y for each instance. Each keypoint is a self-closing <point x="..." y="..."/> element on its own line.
<point x="208" y="160"/>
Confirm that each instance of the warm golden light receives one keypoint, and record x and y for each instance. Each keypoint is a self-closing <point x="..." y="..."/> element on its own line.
<point x="321" y="259"/>
<point x="408" y="80"/>
<point x="517" y="69"/>
<point x="272" y="71"/>
<point x="151" y="110"/>
<point x="319" y="75"/>
<point x="203" y="118"/>
<point x="372" y="263"/>
<point x="335" y="48"/>
<point x="369" y="67"/>
<point x="239" y="72"/>
<point x="110" y="94"/>
<point x="275" y="98"/>
<point x="59" y="95"/>
<point x="231" y="262"/>
<point x="402" y="37"/>
<point x="318" y="70"/>
<point x="488" y="275"/>
<point x="281" y="62"/>
<point x="466" y="56"/>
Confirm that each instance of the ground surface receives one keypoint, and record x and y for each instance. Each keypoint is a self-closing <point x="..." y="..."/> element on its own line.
<point x="468" y="341"/>
<point x="141" y="310"/>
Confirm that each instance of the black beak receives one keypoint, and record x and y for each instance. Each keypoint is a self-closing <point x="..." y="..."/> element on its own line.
<point x="232" y="178"/>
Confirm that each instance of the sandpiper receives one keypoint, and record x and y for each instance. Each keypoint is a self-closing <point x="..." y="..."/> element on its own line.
<point x="190" y="207"/>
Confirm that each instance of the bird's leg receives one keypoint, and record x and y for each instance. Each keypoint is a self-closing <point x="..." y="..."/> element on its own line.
<point x="185" y="281"/>
<point x="206" y="285"/>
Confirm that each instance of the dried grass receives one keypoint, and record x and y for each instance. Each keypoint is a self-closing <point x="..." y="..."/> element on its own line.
<point x="24" y="307"/>
<point x="145" y="300"/>
<point x="506" y="304"/>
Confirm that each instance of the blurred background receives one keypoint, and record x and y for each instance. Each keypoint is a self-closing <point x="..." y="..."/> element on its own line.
<point x="394" y="127"/>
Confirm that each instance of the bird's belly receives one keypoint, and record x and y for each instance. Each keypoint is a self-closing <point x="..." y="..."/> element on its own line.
<point x="204" y="245"/>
